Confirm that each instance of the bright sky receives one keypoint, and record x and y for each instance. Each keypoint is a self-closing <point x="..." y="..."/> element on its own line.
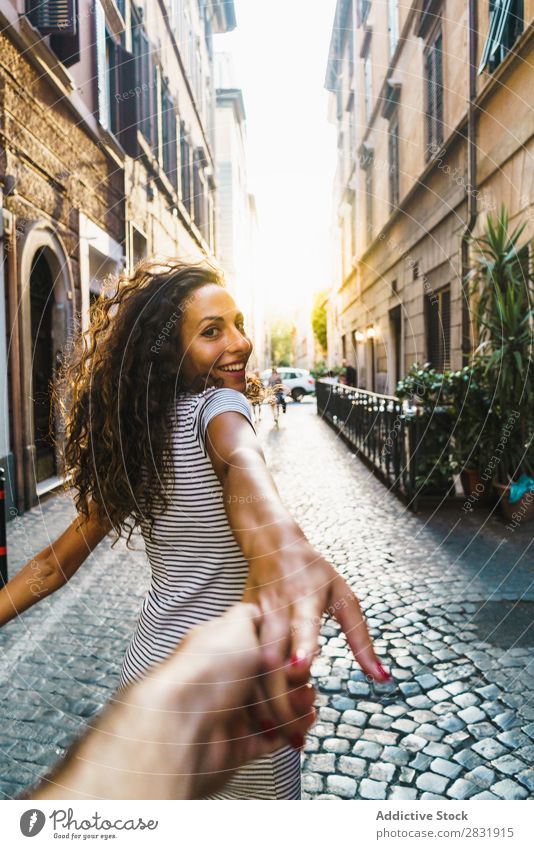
<point x="280" y="51"/>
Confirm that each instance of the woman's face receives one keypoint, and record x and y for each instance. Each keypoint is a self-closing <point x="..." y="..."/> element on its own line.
<point x="215" y="346"/>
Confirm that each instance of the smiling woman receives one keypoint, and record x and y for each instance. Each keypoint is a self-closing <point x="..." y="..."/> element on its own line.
<point x="160" y="437"/>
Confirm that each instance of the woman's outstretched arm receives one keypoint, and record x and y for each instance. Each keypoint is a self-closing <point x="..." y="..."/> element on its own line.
<point x="53" y="566"/>
<point x="288" y="578"/>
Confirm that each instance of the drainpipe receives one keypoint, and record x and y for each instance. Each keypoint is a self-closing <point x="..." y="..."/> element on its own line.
<point x="472" y="211"/>
<point x="15" y="361"/>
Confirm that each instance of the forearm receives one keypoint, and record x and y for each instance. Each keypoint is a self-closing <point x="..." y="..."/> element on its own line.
<point x="36" y="579"/>
<point x="261" y="523"/>
<point x="141" y="747"/>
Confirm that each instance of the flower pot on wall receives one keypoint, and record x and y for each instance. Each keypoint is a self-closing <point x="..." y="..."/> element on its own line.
<point x="520" y="511"/>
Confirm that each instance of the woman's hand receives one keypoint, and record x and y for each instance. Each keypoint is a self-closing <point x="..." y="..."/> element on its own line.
<point x="288" y="579"/>
<point x="294" y="588"/>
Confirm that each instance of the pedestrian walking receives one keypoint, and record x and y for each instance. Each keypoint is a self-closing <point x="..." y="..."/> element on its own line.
<point x="159" y="437"/>
<point x="348" y="374"/>
<point x="278" y="393"/>
<point x="256" y="395"/>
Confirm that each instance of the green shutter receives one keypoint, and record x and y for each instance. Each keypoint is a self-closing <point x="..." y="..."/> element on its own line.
<point x="101" y="66"/>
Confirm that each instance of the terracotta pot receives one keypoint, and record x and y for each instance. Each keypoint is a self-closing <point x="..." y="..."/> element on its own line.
<point x="477" y="490"/>
<point x="523" y="509"/>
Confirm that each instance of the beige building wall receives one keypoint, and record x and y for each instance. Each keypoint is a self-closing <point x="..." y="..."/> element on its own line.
<point x="391" y="266"/>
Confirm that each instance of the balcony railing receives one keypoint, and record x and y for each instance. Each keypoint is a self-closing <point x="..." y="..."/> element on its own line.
<point x="384" y="431"/>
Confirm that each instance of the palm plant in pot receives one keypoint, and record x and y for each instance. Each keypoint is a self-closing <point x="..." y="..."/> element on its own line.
<point x="503" y="319"/>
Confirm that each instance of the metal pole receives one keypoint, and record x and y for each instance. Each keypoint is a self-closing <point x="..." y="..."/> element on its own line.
<point x="3" y="541"/>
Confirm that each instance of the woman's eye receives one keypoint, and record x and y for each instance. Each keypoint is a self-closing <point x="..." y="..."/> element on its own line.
<point x="210" y="332"/>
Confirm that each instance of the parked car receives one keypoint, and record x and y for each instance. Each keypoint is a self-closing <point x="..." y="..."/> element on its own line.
<point x="298" y="381"/>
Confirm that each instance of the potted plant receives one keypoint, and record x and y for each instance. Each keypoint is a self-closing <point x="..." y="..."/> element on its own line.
<point x="474" y="430"/>
<point x="503" y="316"/>
<point x="425" y="393"/>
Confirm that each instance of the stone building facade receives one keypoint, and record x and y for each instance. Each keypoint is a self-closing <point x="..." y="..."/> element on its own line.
<point x="106" y="155"/>
<point x="432" y="101"/>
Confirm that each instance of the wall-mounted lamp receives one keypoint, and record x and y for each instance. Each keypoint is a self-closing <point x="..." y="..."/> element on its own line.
<point x="371" y="332"/>
<point x="359" y="336"/>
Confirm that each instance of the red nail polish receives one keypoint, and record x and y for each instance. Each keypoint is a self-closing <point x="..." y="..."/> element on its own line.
<point x="296" y="740"/>
<point x="382" y="672"/>
<point x="299" y="658"/>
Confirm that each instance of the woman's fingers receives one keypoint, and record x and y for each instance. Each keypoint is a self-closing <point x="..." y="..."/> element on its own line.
<point x="348" y="613"/>
<point x="305" y="625"/>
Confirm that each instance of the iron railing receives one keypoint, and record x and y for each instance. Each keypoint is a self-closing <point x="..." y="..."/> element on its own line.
<point x="384" y="431"/>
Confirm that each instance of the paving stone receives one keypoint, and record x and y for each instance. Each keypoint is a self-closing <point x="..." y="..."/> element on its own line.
<point x="421" y="762"/>
<point x="419" y="702"/>
<point x="507" y="720"/>
<point x="352" y="766"/>
<point x="526" y="777"/>
<point x="370" y="707"/>
<point x="405" y="725"/>
<point x="465" y="700"/>
<point x="430" y="732"/>
<point x="468" y="758"/>
<point x="490" y="691"/>
<point x="329" y="714"/>
<point x="354" y="717"/>
<point x="446" y="768"/>
<point x="410" y="688"/>
<point x="462" y="789"/>
<point x="439" y="694"/>
<point x="396" y="710"/>
<point x="508" y="789"/>
<point x="414" y="743"/>
<point x="431" y="782"/>
<point x="457" y="739"/>
<point x="322" y="763"/>
<point x="311" y="782"/>
<point x="514" y="739"/>
<point x="450" y="723"/>
<point x="471" y="715"/>
<point x="395" y="755"/>
<point x="368" y="750"/>
<point x="485" y="795"/>
<point x="482" y="776"/>
<point x="427" y="681"/>
<point x="401" y="793"/>
<point x="508" y="764"/>
<point x="382" y="771"/>
<point x="351" y="732"/>
<point x="438" y="750"/>
<point x="380" y="720"/>
<point x="406" y="775"/>
<point x="376" y="735"/>
<point x="336" y="745"/>
<point x="489" y="749"/>
<point x="342" y="786"/>
<point x="358" y="688"/>
<point x="482" y="730"/>
<point x="370" y="789"/>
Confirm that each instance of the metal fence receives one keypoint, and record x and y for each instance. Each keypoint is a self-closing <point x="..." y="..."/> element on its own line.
<point x="383" y="431"/>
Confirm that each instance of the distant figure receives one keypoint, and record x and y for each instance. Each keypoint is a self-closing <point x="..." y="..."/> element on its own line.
<point x="348" y="374"/>
<point x="255" y="394"/>
<point x="279" y="393"/>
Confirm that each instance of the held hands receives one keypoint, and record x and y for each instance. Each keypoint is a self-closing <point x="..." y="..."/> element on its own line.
<point x="293" y="588"/>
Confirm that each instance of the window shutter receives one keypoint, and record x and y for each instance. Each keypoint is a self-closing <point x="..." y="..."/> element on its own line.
<point x="101" y="66"/>
<point x="438" y="86"/>
<point x="445" y="328"/>
<point x="53" y="16"/>
<point x="169" y="137"/>
<point x="127" y="100"/>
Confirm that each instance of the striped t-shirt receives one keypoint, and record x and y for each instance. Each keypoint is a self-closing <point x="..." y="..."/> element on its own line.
<point x="198" y="572"/>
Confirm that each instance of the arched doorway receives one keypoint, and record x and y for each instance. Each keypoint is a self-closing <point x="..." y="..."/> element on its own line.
<point x="43" y="317"/>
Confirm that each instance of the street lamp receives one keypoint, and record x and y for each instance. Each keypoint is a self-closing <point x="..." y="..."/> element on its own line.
<point x="359" y="336"/>
<point x="371" y="332"/>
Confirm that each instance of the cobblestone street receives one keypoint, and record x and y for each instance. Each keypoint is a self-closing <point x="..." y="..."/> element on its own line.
<point x="437" y="591"/>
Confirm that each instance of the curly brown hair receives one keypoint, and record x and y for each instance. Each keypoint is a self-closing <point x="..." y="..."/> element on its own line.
<point x="115" y="390"/>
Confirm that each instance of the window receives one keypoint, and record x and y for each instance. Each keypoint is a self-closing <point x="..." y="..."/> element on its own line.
<point x="438" y="314"/>
<point x="434" y="93"/>
<point x="506" y="22"/>
<point x="185" y="168"/>
<point x="368" y="85"/>
<point x="393" y="145"/>
<point x="393" y="25"/>
<point x="363" y="7"/>
<point x="53" y="16"/>
<point x="369" y="197"/>
<point x="146" y="80"/>
<point x="169" y="136"/>
<point x="102" y="67"/>
<point x="199" y="192"/>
